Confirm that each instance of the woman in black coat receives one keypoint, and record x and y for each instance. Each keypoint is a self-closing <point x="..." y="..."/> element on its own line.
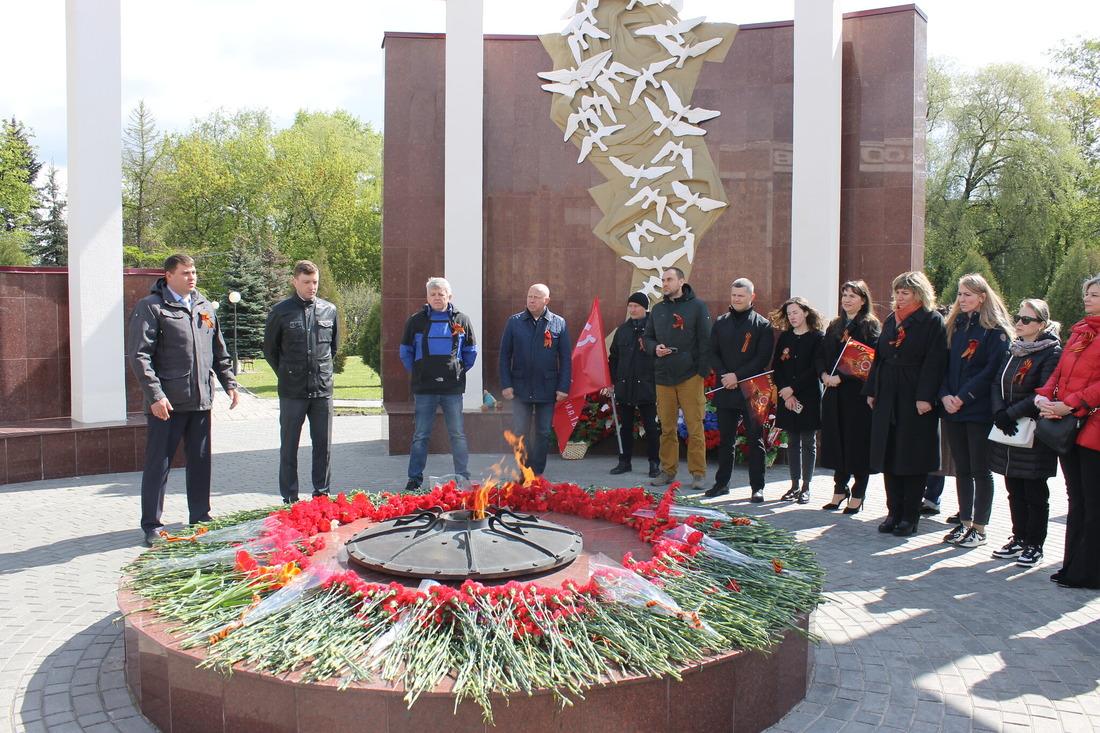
<point x="910" y="359"/>
<point x="845" y="414"/>
<point x="795" y="366"/>
<point x="1028" y="365"/>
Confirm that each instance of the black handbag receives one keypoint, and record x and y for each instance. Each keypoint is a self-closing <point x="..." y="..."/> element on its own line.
<point x="1060" y="434"/>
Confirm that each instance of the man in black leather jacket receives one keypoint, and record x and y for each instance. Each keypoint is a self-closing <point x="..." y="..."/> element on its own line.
<point x="300" y="341"/>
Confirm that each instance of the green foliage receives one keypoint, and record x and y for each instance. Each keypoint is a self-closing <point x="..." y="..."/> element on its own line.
<point x="1064" y="297"/>
<point x="356" y="301"/>
<point x="18" y="170"/>
<point x="244" y="274"/>
<point x="370" y="343"/>
<point x="356" y="382"/>
<point x="51" y="242"/>
<point x="13" y="248"/>
<point x="972" y="261"/>
<point x="142" y="180"/>
<point x="327" y="289"/>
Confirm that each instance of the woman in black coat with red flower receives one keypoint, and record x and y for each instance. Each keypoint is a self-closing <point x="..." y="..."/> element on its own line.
<point x="901" y="389"/>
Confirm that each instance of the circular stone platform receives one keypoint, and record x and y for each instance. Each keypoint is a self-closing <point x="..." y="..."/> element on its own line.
<point x="737" y="691"/>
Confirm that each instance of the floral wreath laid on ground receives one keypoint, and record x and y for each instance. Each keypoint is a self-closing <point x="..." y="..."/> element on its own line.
<point x="774" y="440"/>
<point x="245" y="587"/>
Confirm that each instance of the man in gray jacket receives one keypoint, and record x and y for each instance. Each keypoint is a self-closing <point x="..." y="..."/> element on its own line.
<point x="175" y="349"/>
<point x="300" y="340"/>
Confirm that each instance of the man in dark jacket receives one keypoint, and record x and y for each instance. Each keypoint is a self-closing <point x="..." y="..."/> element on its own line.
<point x="175" y="349"/>
<point x="632" y="371"/>
<point x="741" y="346"/>
<point x="300" y="340"/>
<point x="678" y="334"/>
<point x="438" y="348"/>
<point x="536" y="368"/>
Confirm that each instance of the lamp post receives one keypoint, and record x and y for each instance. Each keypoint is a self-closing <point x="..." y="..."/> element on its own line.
<point x="234" y="298"/>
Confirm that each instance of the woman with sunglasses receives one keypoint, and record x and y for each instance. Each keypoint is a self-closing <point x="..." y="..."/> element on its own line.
<point x="845" y="415"/>
<point x="978" y="335"/>
<point x="901" y="390"/>
<point x="1074" y="389"/>
<point x="1031" y="360"/>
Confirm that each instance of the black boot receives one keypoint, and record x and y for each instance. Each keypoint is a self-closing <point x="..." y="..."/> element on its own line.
<point x="623" y="467"/>
<point x="654" y="469"/>
<point x="791" y="494"/>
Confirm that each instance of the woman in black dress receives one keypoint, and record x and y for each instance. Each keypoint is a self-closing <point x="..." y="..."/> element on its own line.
<point x="910" y="359"/>
<point x="795" y="366"/>
<point x="1030" y="361"/>
<point x="845" y="414"/>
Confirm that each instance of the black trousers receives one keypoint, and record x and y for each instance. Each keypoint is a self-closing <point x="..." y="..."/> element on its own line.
<point x="969" y="443"/>
<point x="904" y="494"/>
<point x="648" y="415"/>
<point x="859" y="486"/>
<point x="1029" y="505"/>
<point x="292" y="414"/>
<point x="728" y="420"/>
<point x="161" y="440"/>
<point x="1081" y="564"/>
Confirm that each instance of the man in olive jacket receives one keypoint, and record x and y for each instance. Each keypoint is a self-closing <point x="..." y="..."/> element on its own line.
<point x="300" y="340"/>
<point x="678" y="334"/>
<point x="741" y="347"/>
<point x="175" y="349"/>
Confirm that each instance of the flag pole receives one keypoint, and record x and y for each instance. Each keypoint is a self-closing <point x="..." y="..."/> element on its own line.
<point x="615" y="415"/>
<point x="832" y="372"/>
<point x="754" y="376"/>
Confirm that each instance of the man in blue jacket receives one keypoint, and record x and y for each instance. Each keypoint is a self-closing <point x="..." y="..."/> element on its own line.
<point x="438" y="348"/>
<point x="535" y="371"/>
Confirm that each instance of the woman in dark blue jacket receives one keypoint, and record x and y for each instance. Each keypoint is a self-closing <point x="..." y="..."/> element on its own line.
<point x="1030" y="361"/>
<point x="978" y="334"/>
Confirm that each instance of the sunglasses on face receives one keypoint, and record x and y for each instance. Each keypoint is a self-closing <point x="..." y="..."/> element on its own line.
<point x="1027" y="320"/>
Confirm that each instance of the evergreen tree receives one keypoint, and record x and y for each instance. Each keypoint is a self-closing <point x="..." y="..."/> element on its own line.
<point x="370" y="345"/>
<point x="972" y="261"/>
<point x="329" y="290"/>
<point x="142" y="150"/>
<point x="244" y="274"/>
<point x="19" y="168"/>
<point x="1064" y="297"/>
<point x="51" y="241"/>
<point x="13" y="248"/>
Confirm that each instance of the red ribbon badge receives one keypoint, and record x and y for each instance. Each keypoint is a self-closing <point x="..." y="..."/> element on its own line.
<point x="1025" y="367"/>
<point x="901" y="337"/>
<point x="205" y="318"/>
<point x="677" y="321"/>
<point x="970" y="349"/>
<point x="786" y="354"/>
<point x="641" y="346"/>
<point x="547" y="339"/>
<point x="1083" y="342"/>
<point x="745" y="346"/>
<point x="457" y="329"/>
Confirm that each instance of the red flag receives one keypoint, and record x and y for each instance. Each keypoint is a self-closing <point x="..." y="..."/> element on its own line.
<point x="590" y="374"/>
<point x="760" y="397"/>
<point x="856" y="359"/>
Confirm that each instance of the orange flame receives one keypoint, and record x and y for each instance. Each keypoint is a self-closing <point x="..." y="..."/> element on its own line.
<point x="520" y="453"/>
<point x="479" y="501"/>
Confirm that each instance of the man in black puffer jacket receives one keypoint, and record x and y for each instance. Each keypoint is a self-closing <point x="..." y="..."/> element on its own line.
<point x="300" y="340"/>
<point x="632" y="369"/>
<point x="678" y="334"/>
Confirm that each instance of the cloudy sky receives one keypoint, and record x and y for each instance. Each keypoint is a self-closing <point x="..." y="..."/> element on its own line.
<point x="186" y="58"/>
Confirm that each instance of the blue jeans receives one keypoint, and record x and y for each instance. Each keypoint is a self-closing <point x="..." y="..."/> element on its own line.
<point x="544" y="419"/>
<point x="424" y="418"/>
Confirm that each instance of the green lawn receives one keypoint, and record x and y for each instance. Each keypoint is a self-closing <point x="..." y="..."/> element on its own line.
<point x="357" y="382"/>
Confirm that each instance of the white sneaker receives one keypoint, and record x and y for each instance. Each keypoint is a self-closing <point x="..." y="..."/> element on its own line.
<point x="1030" y="556"/>
<point x="953" y="537"/>
<point x="972" y="538"/>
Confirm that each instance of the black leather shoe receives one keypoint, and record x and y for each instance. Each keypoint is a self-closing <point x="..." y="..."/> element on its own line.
<point x="1055" y="577"/>
<point x="654" y="469"/>
<point x="412" y="485"/>
<point x="317" y="493"/>
<point x="717" y="490"/>
<point x="151" y="537"/>
<point x="803" y="495"/>
<point x="623" y="467"/>
<point x="888" y="525"/>
<point x="904" y="529"/>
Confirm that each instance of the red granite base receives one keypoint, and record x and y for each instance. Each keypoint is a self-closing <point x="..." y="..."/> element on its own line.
<point x="737" y="691"/>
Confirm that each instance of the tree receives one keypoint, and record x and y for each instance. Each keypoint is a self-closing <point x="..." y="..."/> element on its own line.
<point x="142" y="187"/>
<point x="1064" y="297"/>
<point x="1002" y="166"/>
<point x="971" y="262"/>
<point x="330" y="291"/>
<point x="244" y="274"/>
<point x="51" y="241"/>
<point x="18" y="170"/>
<point x="13" y="248"/>
<point x="370" y="343"/>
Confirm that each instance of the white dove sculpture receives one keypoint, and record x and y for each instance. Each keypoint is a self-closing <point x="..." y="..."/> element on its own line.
<point x="683" y="232"/>
<point x="611" y="74"/>
<point x="596" y="138"/>
<point x="600" y="103"/>
<point x="675" y="125"/>
<point x="571" y="81"/>
<point x="649" y="197"/>
<point x="671" y="30"/>
<point x="677" y="151"/>
<point x="682" y="53"/>
<point x="577" y="32"/>
<point x="694" y="199"/>
<point x="648" y="76"/>
<point x="638" y="173"/>
<point x="682" y="111"/>
<point x="643" y="230"/>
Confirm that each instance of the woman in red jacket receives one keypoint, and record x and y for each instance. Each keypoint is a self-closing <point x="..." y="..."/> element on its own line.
<point x="1074" y="389"/>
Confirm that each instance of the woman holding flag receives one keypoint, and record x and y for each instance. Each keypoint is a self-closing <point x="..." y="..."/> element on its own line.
<point x="847" y="352"/>
<point x="978" y="334"/>
<point x="798" y="409"/>
<point x="901" y="389"/>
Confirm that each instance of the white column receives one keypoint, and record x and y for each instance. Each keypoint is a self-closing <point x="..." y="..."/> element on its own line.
<point x="463" y="228"/>
<point x="815" y="187"/>
<point x="96" y="320"/>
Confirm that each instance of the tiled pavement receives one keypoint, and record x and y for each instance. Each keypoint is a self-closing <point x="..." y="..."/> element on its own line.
<point x="916" y="636"/>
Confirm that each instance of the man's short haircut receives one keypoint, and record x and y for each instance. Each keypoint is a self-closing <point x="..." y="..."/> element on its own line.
<point x="544" y="289"/>
<point x="743" y="282"/>
<point x="677" y="270"/>
<point x="174" y="261"/>
<point x="304" y="267"/>
<point x="437" y="282"/>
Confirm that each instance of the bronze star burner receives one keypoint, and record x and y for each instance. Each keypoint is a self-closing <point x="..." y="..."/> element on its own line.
<point x="457" y="545"/>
